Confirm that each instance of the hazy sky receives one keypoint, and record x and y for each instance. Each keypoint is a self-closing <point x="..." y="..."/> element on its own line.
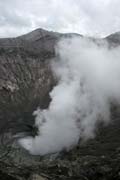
<point x="88" y="17"/>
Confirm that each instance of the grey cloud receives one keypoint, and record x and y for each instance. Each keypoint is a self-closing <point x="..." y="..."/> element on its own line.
<point x="88" y="17"/>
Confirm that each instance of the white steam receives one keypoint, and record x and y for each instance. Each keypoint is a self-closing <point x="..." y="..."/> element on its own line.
<point x="88" y="80"/>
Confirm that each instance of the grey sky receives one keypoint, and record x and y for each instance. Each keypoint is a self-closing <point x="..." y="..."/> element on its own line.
<point x="88" y="17"/>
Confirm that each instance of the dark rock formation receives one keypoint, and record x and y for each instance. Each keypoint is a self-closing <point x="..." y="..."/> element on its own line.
<point x="114" y="39"/>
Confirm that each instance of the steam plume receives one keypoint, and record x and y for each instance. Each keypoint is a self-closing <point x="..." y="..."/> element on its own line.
<point x="88" y="80"/>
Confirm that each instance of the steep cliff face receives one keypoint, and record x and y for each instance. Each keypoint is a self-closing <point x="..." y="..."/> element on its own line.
<point x="25" y="82"/>
<point x="25" y="65"/>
